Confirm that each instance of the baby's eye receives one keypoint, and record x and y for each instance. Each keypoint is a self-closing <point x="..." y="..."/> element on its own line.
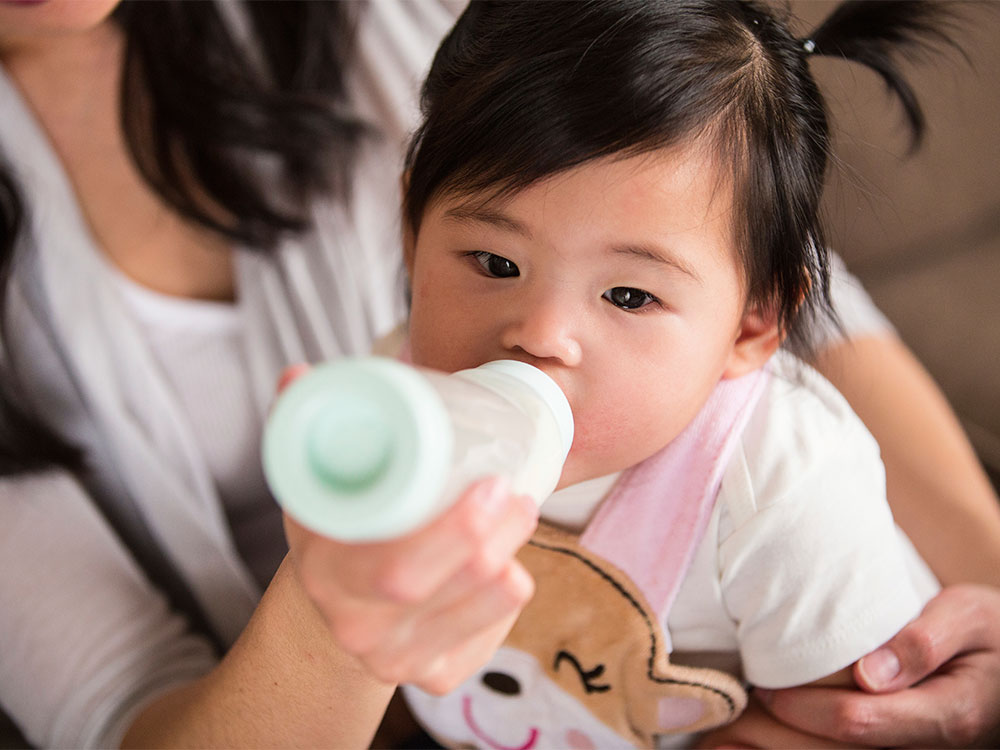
<point x="628" y="298"/>
<point x="495" y="265"/>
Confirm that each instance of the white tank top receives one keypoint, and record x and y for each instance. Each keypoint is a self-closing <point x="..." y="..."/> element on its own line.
<point x="199" y="345"/>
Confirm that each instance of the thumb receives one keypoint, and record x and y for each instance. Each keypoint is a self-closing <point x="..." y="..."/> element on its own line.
<point x="949" y="625"/>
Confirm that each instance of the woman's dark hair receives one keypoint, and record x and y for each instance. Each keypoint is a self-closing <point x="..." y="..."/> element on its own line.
<point x="235" y="137"/>
<point x="204" y="112"/>
<point x="519" y="91"/>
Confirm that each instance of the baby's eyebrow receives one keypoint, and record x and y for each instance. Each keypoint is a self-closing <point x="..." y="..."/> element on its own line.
<point x="485" y="215"/>
<point x="657" y="255"/>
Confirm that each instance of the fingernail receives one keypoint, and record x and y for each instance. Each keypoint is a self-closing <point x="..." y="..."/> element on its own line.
<point x="290" y="374"/>
<point x="880" y="667"/>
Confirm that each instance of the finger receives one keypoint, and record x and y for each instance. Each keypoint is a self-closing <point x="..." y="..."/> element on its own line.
<point x="755" y="728"/>
<point x="420" y="636"/>
<point x="339" y="574"/>
<point x="453" y="668"/>
<point x="940" y="712"/>
<point x="485" y="564"/>
<point x="504" y="597"/>
<point x="406" y="570"/>
<point x="952" y="623"/>
<point x="404" y="643"/>
<point x="411" y="569"/>
<point x="444" y="650"/>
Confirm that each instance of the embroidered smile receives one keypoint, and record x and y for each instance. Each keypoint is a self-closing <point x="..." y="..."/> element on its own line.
<point x="467" y="713"/>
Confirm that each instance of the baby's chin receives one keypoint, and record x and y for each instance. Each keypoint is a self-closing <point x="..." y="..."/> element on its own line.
<point x="576" y="471"/>
<point x="595" y="459"/>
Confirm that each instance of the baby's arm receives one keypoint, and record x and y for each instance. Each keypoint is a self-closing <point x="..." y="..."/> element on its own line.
<point x="942" y="498"/>
<point x="813" y="570"/>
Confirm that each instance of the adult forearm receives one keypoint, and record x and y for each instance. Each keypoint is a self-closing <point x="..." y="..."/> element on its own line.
<point x="938" y="491"/>
<point x="284" y="683"/>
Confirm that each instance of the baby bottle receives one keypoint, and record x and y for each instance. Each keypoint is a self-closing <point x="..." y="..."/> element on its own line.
<point x="368" y="448"/>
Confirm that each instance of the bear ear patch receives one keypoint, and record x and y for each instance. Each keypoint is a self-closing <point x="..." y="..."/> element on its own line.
<point x="677" y="713"/>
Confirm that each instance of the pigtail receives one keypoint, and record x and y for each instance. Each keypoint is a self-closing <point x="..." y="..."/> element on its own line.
<point x="874" y="33"/>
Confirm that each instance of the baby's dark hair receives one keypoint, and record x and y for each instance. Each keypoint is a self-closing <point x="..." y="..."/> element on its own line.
<point x="520" y="91"/>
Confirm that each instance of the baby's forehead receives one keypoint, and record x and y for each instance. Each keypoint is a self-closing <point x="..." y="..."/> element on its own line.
<point x="653" y="172"/>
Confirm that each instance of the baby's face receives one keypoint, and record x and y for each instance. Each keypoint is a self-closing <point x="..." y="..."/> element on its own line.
<point x="618" y="278"/>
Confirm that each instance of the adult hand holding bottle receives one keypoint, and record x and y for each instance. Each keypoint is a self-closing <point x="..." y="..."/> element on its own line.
<point x="431" y="606"/>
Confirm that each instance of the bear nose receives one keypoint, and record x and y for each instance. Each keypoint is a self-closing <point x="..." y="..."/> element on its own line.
<point x="501" y="682"/>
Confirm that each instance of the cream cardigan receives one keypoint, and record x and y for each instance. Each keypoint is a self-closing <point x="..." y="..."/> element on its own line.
<point x="99" y="579"/>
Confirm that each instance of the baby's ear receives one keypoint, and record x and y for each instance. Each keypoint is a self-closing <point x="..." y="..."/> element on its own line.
<point x="758" y="337"/>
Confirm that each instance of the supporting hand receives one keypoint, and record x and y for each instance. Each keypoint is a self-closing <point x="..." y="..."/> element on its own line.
<point x="935" y="684"/>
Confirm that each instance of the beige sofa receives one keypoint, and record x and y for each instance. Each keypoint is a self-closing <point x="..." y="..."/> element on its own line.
<point x="923" y="232"/>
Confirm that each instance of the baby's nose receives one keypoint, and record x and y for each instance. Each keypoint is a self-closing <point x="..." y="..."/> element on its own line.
<point x="545" y="332"/>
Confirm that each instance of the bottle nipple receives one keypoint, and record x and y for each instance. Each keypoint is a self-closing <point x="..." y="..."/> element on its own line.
<point x="350" y="446"/>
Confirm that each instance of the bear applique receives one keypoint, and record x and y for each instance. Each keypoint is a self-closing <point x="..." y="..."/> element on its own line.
<point x="585" y="666"/>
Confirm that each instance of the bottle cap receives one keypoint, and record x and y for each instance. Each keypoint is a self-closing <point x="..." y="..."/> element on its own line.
<point x="358" y="449"/>
<point x="544" y="387"/>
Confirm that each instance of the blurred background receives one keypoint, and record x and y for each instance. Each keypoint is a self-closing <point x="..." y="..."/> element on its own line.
<point x="922" y="231"/>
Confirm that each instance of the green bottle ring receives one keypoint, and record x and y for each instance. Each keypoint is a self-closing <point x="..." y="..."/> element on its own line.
<point x="359" y="449"/>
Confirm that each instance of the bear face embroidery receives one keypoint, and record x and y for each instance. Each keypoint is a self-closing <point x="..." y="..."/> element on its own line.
<point x="584" y="667"/>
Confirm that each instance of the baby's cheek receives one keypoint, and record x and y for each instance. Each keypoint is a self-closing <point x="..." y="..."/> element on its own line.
<point x="428" y="348"/>
<point x="605" y="442"/>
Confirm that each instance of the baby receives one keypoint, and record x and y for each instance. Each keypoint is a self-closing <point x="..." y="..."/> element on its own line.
<point x="625" y="194"/>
